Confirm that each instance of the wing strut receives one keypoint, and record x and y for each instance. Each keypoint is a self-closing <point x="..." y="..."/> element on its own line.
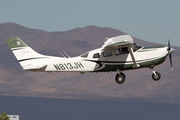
<point x="132" y="56"/>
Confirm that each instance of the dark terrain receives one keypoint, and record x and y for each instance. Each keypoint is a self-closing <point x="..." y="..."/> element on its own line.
<point x="30" y="108"/>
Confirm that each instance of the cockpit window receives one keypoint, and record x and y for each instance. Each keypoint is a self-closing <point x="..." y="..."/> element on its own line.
<point x="85" y="55"/>
<point x="124" y="50"/>
<point x="136" y="47"/>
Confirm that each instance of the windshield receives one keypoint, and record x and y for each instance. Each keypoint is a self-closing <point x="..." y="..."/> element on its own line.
<point x="136" y="47"/>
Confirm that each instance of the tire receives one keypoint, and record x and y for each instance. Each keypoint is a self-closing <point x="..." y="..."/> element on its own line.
<point x="157" y="77"/>
<point x="120" y="78"/>
<point x="123" y="75"/>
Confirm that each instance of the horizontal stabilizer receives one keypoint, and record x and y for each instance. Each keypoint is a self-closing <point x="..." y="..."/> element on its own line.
<point x="31" y="67"/>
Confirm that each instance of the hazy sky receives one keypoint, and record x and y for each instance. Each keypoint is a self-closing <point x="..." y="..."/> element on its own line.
<point x="150" y="20"/>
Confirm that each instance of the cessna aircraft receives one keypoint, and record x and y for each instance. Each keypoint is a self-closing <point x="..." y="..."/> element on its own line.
<point x="118" y="53"/>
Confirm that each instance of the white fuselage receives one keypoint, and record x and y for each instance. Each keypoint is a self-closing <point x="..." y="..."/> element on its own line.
<point x="145" y="57"/>
<point x="117" y="54"/>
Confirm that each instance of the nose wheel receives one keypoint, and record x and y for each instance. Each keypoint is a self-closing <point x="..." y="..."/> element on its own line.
<point x="156" y="75"/>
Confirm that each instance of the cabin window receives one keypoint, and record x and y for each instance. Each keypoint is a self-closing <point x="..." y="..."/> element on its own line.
<point x="107" y="53"/>
<point x="119" y="51"/>
<point x="96" y="55"/>
<point x="85" y="55"/>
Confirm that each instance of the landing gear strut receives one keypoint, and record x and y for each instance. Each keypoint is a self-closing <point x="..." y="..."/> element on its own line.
<point x="120" y="77"/>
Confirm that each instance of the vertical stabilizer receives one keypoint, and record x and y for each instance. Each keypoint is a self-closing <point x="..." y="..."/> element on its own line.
<point x="16" y="43"/>
<point x="24" y="54"/>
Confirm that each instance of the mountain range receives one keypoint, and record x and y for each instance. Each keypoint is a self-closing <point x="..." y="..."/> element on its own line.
<point x="16" y="82"/>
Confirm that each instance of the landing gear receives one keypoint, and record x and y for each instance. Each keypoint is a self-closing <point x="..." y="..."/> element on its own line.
<point x="156" y="75"/>
<point x="120" y="77"/>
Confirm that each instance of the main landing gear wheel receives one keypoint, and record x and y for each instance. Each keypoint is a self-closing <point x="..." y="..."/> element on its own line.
<point x="156" y="76"/>
<point x="120" y="78"/>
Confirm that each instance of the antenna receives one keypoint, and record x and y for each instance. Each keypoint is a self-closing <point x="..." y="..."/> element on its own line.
<point x="62" y="54"/>
<point x="66" y="54"/>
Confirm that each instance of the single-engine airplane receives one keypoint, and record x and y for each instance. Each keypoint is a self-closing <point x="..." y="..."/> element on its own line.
<point x="118" y="53"/>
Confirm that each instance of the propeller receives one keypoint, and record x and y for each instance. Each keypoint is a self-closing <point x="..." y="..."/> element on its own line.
<point x="170" y="57"/>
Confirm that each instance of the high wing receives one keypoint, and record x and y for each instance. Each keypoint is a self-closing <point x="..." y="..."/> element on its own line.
<point x="118" y="41"/>
<point x="121" y="41"/>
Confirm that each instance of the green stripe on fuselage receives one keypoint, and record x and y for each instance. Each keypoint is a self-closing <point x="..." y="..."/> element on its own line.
<point x="108" y="68"/>
<point x="153" y="47"/>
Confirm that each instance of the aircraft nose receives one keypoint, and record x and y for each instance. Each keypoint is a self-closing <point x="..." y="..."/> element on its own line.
<point x="172" y="50"/>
